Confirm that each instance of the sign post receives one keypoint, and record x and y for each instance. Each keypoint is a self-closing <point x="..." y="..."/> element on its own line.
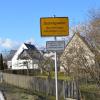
<point x="56" y="46"/>
<point x="52" y="27"/>
<point x="56" y="83"/>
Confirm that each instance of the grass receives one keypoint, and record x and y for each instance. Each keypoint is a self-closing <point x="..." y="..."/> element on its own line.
<point x="90" y="92"/>
<point x="61" y="76"/>
<point x="89" y="88"/>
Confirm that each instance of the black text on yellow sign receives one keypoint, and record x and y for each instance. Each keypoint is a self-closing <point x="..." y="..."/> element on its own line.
<point x="54" y="26"/>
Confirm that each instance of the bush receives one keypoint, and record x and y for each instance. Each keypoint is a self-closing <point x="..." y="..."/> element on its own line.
<point x="90" y="92"/>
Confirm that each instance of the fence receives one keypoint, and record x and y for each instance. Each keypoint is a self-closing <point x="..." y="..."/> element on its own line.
<point x="66" y="89"/>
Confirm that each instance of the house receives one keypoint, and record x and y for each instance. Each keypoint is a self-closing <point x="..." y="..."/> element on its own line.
<point x="9" y="58"/>
<point x="26" y="57"/>
<point x="78" y="54"/>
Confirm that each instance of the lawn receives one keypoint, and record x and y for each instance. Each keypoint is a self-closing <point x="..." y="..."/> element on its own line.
<point x="61" y="76"/>
<point x="90" y="92"/>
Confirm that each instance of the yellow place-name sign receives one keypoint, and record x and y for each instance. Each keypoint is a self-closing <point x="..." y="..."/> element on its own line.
<point x="54" y="26"/>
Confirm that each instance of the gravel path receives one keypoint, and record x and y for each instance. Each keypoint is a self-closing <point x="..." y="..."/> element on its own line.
<point x="13" y="93"/>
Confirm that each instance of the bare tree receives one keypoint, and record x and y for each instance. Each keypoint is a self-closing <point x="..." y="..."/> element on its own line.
<point x="93" y="70"/>
<point x="46" y="64"/>
<point x="91" y="29"/>
<point x="66" y="62"/>
<point x="28" y="57"/>
<point x="76" y="62"/>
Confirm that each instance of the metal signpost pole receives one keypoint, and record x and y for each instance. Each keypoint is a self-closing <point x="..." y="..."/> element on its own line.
<point x="57" y="26"/>
<point x="56" y="83"/>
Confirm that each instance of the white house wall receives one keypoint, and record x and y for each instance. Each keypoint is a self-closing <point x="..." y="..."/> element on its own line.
<point x="9" y="63"/>
<point x="14" y="59"/>
<point x="20" y="64"/>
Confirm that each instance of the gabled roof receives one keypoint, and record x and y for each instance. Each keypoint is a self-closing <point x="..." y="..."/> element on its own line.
<point x="31" y="53"/>
<point x="77" y="53"/>
<point x="30" y="46"/>
<point x="83" y="39"/>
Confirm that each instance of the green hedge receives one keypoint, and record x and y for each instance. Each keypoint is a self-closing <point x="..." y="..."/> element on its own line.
<point x="90" y="92"/>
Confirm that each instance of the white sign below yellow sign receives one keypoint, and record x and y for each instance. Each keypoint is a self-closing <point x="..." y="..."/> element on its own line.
<point x="55" y="45"/>
<point x="54" y="26"/>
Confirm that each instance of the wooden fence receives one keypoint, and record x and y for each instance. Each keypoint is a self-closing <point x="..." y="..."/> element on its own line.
<point x="66" y="89"/>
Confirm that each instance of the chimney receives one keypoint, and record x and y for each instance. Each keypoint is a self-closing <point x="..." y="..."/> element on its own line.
<point x="29" y="42"/>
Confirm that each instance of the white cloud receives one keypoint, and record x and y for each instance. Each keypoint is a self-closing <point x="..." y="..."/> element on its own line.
<point x="8" y="43"/>
<point x="32" y="41"/>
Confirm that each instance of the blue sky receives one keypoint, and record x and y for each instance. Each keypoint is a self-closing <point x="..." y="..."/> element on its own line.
<point x="20" y="19"/>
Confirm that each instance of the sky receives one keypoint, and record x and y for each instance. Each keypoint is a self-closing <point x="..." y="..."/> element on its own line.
<point x="20" y="19"/>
